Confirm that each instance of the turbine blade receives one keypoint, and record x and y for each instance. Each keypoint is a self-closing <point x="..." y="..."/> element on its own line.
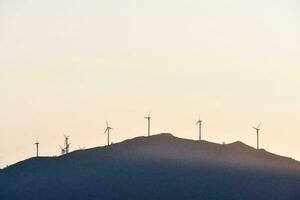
<point x="258" y="125"/>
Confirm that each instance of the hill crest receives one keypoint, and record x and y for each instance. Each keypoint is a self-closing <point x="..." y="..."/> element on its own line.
<point x="167" y="147"/>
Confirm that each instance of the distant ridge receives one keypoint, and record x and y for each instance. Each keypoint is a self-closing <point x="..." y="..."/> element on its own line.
<point x="157" y="167"/>
<point x="169" y="146"/>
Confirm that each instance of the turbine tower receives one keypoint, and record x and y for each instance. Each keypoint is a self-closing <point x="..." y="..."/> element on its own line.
<point x="37" y="147"/>
<point x="107" y="130"/>
<point x="149" y="119"/>
<point x="257" y="134"/>
<point x="199" y="122"/>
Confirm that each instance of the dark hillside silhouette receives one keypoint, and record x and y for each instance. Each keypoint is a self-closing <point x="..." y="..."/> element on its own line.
<point x="156" y="167"/>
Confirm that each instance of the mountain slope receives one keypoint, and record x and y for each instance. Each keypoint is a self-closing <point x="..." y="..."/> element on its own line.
<point x="156" y="167"/>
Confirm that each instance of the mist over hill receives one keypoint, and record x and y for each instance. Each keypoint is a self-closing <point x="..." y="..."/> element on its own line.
<point x="156" y="167"/>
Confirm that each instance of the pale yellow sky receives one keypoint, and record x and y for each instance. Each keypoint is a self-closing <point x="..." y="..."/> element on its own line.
<point x="66" y="66"/>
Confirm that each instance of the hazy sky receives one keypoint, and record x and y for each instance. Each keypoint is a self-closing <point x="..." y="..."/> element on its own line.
<point x="67" y="65"/>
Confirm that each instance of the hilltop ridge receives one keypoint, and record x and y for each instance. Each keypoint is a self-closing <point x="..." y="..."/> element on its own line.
<point x="157" y="167"/>
<point x="168" y="146"/>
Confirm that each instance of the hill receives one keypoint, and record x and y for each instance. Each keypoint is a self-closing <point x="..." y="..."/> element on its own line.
<point x="156" y="167"/>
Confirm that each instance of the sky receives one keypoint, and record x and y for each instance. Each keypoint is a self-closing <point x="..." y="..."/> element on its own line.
<point x="67" y="66"/>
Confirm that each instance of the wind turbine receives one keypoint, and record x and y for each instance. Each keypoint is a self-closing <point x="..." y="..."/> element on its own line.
<point x="257" y="134"/>
<point x="108" y="128"/>
<point x="62" y="150"/>
<point x="149" y="119"/>
<point x="200" y="124"/>
<point x="37" y="147"/>
<point x="67" y="144"/>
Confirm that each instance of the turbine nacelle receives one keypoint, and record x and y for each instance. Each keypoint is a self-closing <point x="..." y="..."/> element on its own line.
<point x="148" y="116"/>
<point x="199" y="122"/>
<point x="257" y="128"/>
<point x="108" y="129"/>
<point x="37" y="141"/>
